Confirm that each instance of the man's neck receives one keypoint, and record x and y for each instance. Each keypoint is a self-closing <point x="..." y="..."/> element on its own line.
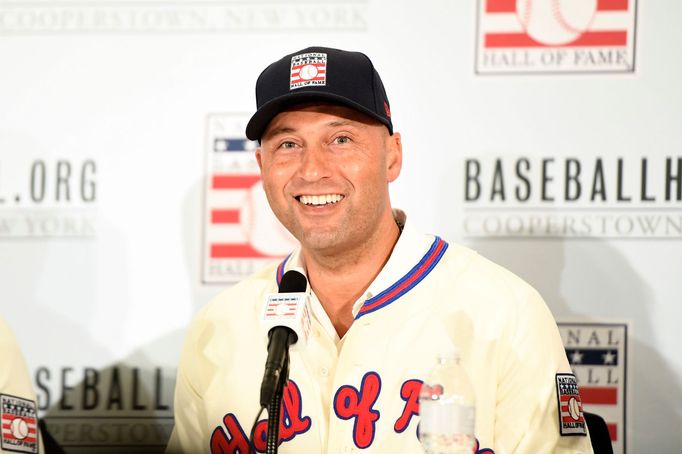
<point x="340" y="279"/>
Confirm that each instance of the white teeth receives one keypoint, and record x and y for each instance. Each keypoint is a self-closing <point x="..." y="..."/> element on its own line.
<point x="320" y="199"/>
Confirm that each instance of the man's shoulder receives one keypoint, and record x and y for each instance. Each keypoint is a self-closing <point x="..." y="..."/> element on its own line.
<point x="459" y="266"/>
<point x="475" y="274"/>
<point x="492" y="296"/>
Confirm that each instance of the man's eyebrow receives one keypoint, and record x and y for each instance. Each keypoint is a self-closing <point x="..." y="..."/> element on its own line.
<point x="340" y="123"/>
<point x="280" y="130"/>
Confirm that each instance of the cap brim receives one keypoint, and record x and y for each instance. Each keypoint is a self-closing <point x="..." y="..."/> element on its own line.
<point x="263" y="116"/>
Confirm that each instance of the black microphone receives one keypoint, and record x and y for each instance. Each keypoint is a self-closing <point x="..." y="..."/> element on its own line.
<point x="287" y="317"/>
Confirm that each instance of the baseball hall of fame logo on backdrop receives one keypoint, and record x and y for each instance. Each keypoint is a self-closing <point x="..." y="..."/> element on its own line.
<point x="597" y="353"/>
<point x="553" y="36"/>
<point x="241" y="234"/>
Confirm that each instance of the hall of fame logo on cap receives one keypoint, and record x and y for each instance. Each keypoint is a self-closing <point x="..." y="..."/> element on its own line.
<point x="553" y="36"/>
<point x="19" y="424"/>
<point x="597" y="354"/>
<point x="241" y="234"/>
<point x="308" y="69"/>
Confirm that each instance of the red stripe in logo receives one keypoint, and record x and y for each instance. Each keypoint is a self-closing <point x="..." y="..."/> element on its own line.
<point x="600" y="395"/>
<point x="500" y="6"/>
<point x="509" y="6"/>
<point x="225" y="216"/>
<point x="234" y="181"/>
<point x="612" y="5"/>
<point x="587" y="39"/>
<point x="613" y="431"/>
<point x="230" y="251"/>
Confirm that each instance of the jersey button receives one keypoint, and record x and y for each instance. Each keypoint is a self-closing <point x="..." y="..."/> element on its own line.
<point x="324" y="371"/>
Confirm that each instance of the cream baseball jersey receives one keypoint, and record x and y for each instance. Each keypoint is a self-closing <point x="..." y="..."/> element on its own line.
<point x="18" y="411"/>
<point x="360" y="393"/>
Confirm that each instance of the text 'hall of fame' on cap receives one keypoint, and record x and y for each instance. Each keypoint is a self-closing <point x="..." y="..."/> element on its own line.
<point x="319" y="74"/>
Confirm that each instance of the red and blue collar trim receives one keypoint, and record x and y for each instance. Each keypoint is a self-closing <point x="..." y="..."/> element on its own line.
<point x="280" y="269"/>
<point x="408" y="281"/>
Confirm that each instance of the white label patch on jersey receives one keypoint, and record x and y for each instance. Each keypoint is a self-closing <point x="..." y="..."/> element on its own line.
<point x="19" y="424"/>
<point x="571" y="418"/>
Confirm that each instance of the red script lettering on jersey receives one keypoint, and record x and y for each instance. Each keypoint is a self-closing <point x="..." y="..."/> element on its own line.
<point x="291" y="421"/>
<point x="350" y="402"/>
<point x="233" y="440"/>
<point x="409" y="392"/>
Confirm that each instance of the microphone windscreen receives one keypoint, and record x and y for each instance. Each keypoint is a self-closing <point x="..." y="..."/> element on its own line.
<point x="289" y="308"/>
<point x="293" y="282"/>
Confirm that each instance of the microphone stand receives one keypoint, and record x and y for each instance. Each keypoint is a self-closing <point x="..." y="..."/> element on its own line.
<point x="275" y="408"/>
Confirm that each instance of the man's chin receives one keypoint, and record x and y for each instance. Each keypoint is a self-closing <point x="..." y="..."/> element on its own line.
<point x="320" y="240"/>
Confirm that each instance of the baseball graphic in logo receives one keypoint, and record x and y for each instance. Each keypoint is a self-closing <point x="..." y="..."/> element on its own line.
<point x="19" y="428"/>
<point x="555" y="22"/>
<point x="308" y="72"/>
<point x="574" y="408"/>
<point x="281" y="309"/>
<point x="265" y="233"/>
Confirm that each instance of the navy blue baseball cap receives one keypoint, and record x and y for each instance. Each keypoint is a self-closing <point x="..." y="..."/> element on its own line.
<point x="319" y="74"/>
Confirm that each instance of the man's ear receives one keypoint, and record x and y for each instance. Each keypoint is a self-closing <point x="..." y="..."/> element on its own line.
<point x="258" y="159"/>
<point x="394" y="156"/>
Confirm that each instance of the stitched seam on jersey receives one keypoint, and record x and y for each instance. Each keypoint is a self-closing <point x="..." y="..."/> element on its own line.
<point x="280" y="269"/>
<point x="408" y="281"/>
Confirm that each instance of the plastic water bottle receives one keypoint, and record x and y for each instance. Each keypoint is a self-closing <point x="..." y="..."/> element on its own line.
<point x="446" y="409"/>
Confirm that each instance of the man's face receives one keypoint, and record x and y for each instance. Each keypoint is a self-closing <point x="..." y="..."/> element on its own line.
<point x="325" y="171"/>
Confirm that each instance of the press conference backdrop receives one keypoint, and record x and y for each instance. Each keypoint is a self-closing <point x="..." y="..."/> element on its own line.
<point x="545" y="134"/>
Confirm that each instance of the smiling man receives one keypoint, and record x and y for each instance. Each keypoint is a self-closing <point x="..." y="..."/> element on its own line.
<point x="385" y="298"/>
<point x="326" y="170"/>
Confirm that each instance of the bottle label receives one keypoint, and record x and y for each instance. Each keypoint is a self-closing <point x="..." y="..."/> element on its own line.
<point x="445" y="418"/>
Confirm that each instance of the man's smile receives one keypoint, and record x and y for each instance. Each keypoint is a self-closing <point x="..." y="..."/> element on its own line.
<point x="321" y="199"/>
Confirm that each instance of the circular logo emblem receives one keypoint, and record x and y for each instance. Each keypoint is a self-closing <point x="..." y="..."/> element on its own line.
<point x="555" y="22"/>
<point x="18" y="428"/>
<point x="574" y="408"/>
<point x="281" y="309"/>
<point x="262" y="229"/>
<point x="308" y="72"/>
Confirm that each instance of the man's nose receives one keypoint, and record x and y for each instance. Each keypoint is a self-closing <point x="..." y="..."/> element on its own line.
<point x="314" y="163"/>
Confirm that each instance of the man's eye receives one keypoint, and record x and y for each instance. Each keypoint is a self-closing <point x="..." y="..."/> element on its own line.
<point x="287" y="145"/>
<point x="342" y="139"/>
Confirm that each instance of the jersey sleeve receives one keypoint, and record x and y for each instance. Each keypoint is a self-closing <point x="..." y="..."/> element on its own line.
<point x="527" y="414"/>
<point x="15" y="380"/>
<point x="188" y="435"/>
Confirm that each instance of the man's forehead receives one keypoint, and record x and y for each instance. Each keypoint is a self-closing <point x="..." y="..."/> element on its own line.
<point x="334" y="114"/>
